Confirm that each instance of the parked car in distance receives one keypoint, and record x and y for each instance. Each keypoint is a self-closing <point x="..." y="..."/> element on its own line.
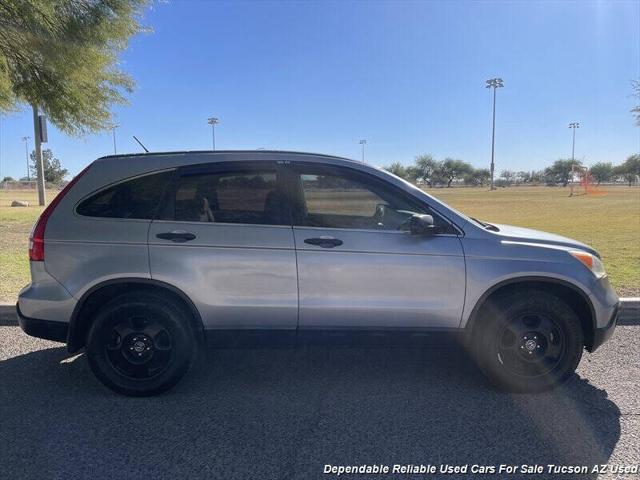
<point x="141" y="259"/>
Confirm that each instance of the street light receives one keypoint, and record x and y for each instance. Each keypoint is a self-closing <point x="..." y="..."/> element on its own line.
<point x="213" y="122"/>
<point x="363" y="143"/>
<point x="26" y="153"/>
<point x="573" y="126"/>
<point x="494" y="83"/>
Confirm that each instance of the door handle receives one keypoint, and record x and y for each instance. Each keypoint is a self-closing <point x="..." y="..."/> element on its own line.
<point x="178" y="236"/>
<point x="324" y="242"/>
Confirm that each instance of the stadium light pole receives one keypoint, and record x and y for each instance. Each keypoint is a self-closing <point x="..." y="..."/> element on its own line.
<point x="363" y="142"/>
<point x="0" y="148"/>
<point x="113" y="130"/>
<point x="26" y="154"/>
<point x="213" y="122"/>
<point x="573" y="126"/>
<point x="494" y="83"/>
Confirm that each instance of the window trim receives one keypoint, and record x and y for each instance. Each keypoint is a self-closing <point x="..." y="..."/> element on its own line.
<point x="115" y="184"/>
<point x="374" y="230"/>
<point x="297" y="168"/>
<point x="166" y="209"/>
<point x="222" y="224"/>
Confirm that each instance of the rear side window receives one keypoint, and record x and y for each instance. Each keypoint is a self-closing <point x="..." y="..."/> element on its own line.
<point x="137" y="198"/>
<point x="250" y="197"/>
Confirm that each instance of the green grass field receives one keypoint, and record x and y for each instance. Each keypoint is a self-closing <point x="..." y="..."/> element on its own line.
<point x="609" y="223"/>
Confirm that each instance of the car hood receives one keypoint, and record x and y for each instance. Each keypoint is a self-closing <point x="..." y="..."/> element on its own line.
<point x="519" y="234"/>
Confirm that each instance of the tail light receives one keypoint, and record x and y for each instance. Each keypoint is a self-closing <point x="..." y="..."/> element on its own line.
<point x="36" y="239"/>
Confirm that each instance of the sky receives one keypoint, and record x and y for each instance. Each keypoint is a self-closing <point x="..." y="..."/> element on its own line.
<point x="409" y="77"/>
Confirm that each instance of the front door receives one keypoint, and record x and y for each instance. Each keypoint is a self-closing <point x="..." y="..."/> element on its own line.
<point x="224" y="238"/>
<point x="358" y="266"/>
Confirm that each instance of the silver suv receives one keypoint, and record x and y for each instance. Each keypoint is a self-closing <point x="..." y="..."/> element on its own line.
<point x="141" y="258"/>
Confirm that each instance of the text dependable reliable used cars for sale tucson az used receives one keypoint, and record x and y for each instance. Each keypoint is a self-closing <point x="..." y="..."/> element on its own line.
<point x="143" y="258"/>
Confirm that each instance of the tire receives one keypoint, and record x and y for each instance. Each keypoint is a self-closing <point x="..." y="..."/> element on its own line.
<point x="141" y="344"/>
<point x="528" y="342"/>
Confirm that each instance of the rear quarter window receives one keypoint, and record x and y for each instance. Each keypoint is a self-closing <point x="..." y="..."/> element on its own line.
<point x="136" y="198"/>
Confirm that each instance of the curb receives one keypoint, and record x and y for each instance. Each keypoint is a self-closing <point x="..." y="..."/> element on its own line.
<point x="629" y="312"/>
<point x="8" y="315"/>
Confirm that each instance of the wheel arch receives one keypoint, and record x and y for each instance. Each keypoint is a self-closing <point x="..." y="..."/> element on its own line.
<point x="101" y="293"/>
<point x="577" y="299"/>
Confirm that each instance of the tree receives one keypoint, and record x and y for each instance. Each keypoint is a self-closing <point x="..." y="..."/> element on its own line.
<point x="53" y="171"/>
<point x="478" y="177"/>
<point x="538" y="176"/>
<point x="507" y="176"/>
<point x="630" y="169"/>
<point x="635" y="84"/>
<point x="397" y="169"/>
<point x="8" y="179"/>
<point x="601" y="172"/>
<point x="452" y="169"/>
<point x="560" y="171"/>
<point x="427" y="168"/>
<point x="62" y="55"/>
<point x="523" y="176"/>
<point x="412" y="173"/>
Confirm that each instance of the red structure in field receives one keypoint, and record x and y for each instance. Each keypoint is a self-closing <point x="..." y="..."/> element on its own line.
<point x="581" y="182"/>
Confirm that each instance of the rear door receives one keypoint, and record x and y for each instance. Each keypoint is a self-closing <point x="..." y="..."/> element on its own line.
<point x="224" y="238"/>
<point x="358" y="266"/>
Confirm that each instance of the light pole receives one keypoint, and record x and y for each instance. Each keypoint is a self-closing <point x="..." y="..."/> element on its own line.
<point x="494" y="83"/>
<point x="39" y="137"/>
<point x="363" y="142"/>
<point x="213" y="122"/>
<point x="113" y="130"/>
<point x="0" y="148"/>
<point x="573" y="126"/>
<point x="26" y="154"/>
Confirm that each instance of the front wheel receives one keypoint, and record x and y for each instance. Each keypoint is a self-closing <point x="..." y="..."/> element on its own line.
<point x="141" y="344"/>
<point x="528" y="342"/>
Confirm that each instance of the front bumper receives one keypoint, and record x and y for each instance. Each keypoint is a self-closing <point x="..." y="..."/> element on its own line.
<point x="601" y="335"/>
<point x="47" y="329"/>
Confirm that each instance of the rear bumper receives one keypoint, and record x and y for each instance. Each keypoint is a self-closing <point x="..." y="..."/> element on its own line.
<point x="45" y="298"/>
<point x="601" y="335"/>
<point x="47" y="329"/>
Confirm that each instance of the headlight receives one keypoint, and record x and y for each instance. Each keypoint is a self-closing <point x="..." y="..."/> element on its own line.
<point x="592" y="262"/>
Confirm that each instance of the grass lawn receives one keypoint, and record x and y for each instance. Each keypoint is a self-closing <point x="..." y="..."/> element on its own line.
<point x="609" y="223"/>
<point x="15" y="225"/>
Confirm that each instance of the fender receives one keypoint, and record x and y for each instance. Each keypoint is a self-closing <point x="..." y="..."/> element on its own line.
<point x="74" y="340"/>
<point x="539" y="279"/>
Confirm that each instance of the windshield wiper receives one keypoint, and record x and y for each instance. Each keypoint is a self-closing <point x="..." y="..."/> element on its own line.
<point x="486" y="225"/>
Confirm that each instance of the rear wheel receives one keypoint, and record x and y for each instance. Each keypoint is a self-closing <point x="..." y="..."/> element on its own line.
<point x="141" y="344"/>
<point x="528" y="342"/>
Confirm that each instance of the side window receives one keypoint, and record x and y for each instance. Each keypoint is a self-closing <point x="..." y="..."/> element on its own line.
<point x="334" y="195"/>
<point x="253" y="197"/>
<point x="136" y="198"/>
<point x="337" y="197"/>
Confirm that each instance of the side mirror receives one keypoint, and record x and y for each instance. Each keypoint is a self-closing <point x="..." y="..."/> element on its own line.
<point x="422" y="225"/>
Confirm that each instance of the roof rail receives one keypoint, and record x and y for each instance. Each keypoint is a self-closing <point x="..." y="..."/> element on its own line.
<point x="184" y="152"/>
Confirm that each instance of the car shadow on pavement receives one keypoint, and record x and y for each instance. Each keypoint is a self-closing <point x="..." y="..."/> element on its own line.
<point x="274" y="414"/>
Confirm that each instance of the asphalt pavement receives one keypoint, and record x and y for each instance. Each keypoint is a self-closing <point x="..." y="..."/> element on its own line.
<point x="286" y="413"/>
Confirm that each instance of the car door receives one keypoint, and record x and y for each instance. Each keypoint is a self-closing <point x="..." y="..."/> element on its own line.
<point x="358" y="266"/>
<point x="223" y="237"/>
